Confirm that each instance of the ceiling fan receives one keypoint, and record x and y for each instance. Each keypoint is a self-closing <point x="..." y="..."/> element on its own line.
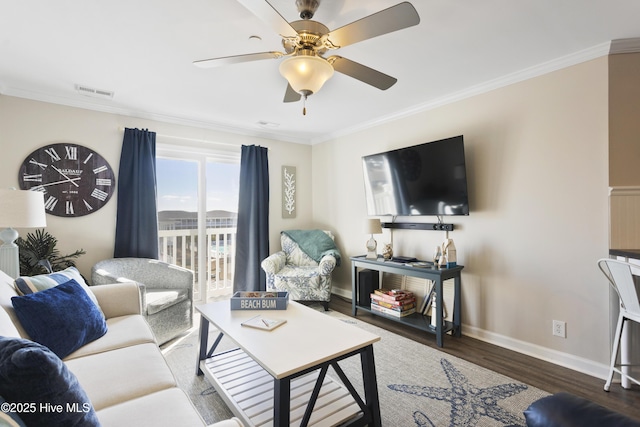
<point x="306" y="41"/>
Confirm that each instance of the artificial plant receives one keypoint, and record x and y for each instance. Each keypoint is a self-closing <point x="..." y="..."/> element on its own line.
<point x="38" y="254"/>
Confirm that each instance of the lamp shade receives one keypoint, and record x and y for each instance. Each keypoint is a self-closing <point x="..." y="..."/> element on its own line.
<point x="306" y="74"/>
<point x="373" y="226"/>
<point x="22" y="209"/>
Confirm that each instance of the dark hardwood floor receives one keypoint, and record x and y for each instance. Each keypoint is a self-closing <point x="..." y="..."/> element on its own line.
<point x="538" y="373"/>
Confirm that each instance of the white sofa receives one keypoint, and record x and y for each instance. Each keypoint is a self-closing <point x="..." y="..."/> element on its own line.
<point x="123" y="373"/>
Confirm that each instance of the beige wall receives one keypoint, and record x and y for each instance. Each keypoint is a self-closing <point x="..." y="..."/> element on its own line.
<point x="26" y="125"/>
<point x="537" y="171"/>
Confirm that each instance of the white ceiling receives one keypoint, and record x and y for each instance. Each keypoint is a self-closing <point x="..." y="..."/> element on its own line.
<point x="143" y="50"/>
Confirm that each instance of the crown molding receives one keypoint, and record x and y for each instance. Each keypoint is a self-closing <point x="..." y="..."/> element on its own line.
<point x="146" y="115"/>
<point x="576" y="58"/>
<point x="625" y="46"/>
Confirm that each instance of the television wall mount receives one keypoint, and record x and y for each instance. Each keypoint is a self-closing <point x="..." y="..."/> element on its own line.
<point x="418" y="226"/>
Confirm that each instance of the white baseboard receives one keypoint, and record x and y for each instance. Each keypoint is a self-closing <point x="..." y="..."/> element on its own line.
<point x="566" y="360"/>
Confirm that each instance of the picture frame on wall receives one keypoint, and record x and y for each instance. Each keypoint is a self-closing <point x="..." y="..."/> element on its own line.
<point x="289" y="191"/>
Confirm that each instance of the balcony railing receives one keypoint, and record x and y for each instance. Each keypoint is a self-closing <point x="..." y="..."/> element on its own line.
<point x="180" y="247"/>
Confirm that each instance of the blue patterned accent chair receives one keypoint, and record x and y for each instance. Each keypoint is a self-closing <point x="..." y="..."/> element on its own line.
<point x="305" y="274"/>
<point x="166" y="292"/>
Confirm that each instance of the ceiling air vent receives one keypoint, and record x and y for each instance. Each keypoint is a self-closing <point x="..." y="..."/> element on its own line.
<point x="93" y="92"/>
<point x="270" y="125"/>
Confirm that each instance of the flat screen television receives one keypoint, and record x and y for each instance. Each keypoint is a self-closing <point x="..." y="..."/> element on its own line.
<point x="425" y="179"/>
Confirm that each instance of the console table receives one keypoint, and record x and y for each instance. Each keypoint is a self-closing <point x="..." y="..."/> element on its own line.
<point x="416" y="320"/>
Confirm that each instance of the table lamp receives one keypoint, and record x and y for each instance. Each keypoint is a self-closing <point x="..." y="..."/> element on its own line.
<point x="20" y="209"/>
<point x="372" y="226"/>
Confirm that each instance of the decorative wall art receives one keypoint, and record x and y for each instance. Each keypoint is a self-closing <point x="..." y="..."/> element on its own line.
<point x="288" y="192"/>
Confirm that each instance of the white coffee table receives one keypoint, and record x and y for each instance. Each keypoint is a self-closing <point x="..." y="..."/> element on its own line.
<point x="274" y="374"/>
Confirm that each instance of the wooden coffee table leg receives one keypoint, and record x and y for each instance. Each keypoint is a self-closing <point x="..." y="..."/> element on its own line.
<point x="370" y="385"/>
<point x="281" y="401"/>
<point x="204" y="335"/>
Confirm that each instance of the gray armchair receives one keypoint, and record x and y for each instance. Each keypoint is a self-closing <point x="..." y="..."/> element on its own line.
<point x="166" y="291"/>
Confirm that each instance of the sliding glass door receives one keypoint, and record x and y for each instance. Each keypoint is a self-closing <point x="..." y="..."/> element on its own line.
<point x="197" y="211"/>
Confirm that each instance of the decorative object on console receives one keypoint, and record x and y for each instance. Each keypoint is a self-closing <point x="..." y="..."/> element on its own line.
<point x="449" y="251"/>
<point x="372" y="226"/>
<point x="442" y="262"/>
<point x="75" y="180"/>
<point x="434" y="307"/>
<point x="17" y="209"/>
<point x="437" y="253"/>
<point x="387" y="252"/>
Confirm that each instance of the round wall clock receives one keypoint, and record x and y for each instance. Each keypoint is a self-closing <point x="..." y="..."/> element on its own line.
<point x="75" y="180"/>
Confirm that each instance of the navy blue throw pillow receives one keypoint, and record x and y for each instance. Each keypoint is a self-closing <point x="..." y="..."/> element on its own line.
<point x="47" y="392"/>
<point x="62" y="318"/>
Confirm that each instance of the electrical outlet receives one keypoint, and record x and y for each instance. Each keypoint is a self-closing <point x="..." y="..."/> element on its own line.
<point x="559" y="328"/>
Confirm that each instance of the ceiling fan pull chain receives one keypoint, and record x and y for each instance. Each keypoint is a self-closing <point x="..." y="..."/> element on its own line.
<point x="304" y="105"/>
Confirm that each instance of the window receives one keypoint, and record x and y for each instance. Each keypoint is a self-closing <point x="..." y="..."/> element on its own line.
<point x="197" y="213"/>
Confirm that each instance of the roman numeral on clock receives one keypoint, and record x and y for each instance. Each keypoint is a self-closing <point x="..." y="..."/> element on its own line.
<point x="71" y="152"/>
<point x="99" y="194"/>
<point x="50" y="203"/>
<point x="32" y="178"/>
<point x="40" y="165"/>
<point x="68" y="209"/>
<point x="100" y="169"/>
<point x="87" y="159"/>
<point x="87" y="205"/>
<point x="54" y="155"/>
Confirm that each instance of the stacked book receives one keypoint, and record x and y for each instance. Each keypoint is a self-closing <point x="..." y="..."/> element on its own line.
<point x="395" y="302"/>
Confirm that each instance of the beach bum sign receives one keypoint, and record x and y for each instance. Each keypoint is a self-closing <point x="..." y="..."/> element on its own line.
<point x="259" y="301"/>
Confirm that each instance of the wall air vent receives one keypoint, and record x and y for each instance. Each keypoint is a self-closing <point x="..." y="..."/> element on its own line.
<point x="93" y="92"/>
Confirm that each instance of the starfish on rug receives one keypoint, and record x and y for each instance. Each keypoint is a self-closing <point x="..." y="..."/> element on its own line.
<point x="468" y="402"/>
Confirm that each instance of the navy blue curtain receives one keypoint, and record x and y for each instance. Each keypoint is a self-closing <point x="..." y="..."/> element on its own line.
<point x="137" y="216"/>
<point x="252" y="238"/>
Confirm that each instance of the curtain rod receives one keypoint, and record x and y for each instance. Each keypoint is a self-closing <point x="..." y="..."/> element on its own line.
<point x="121" y="129"/>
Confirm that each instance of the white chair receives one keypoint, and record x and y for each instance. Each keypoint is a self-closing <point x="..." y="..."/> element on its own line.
<point x="621" y="279"/>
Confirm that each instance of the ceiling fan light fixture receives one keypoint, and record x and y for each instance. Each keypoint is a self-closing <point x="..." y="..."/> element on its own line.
<point x="306" y="73"/>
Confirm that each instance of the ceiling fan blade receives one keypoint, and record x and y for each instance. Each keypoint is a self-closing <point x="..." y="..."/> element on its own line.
<point x="268" y="14"/>
<point x="236" y="59"/>
<point x="398" y="17"/>
<point x="291" y="95"/>
<point x="362" y="72"/>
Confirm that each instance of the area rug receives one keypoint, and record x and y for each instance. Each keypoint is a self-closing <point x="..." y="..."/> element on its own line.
<point x="418" y="385"/>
